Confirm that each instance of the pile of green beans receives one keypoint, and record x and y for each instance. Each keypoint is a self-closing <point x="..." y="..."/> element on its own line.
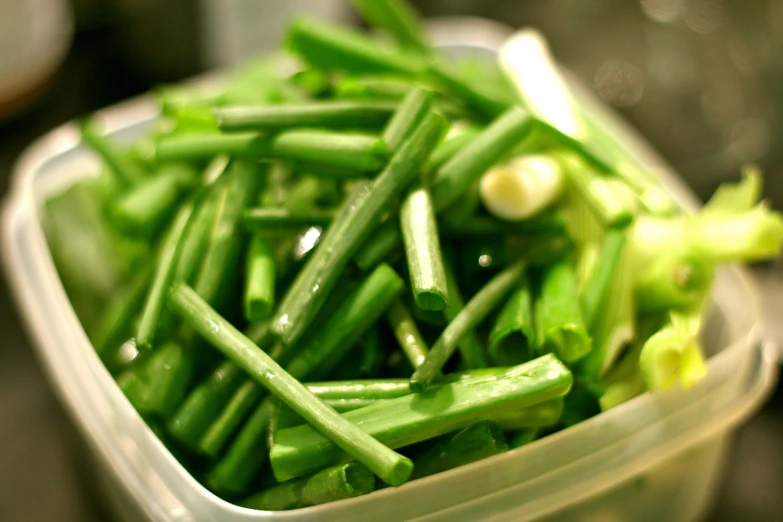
<point x="294" y="280"/>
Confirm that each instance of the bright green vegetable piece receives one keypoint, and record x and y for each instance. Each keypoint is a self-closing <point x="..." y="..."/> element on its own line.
<point x="321" y="114"/>
<point x="331" y="47"/>
<point x="391" y="467"/>
<point x="145" y="208"/>
<point x="115" y="326"/>
<point x="407" y="334"/>
<point x="323" y="350"/>
<point x="470" y="348"/>
<point x="164" y="275"/>
<point x="595" y="293"/>
<point x="204" y="403"/>
<point x="422" y="250"/>
<point x="278" y="219"/>
<point x="412" y="109"/>
<point x="246" y="455"/>
<point x="560" y="328"/>
<point x="259" y="296"/>
<point x="359" y="152"/>
<point x="455" y="176"/>
<point x="207" y="145"/>
<point x="471" y="316"/>
<point x="611" y="201"/>
<point x="238" y="407"/>
<point x="673" y="354"/>
<point x="512" y="338"/>
<point x="412" y="418"/>
<point x="475" y="442"/>
<point x="473" y="95"/>
<point x="736" y="198"/>
<point x="398" y="18"/>
<point x="122" y="168"/>
<point x="328" y="485"/>
<point x="358" y="217"/>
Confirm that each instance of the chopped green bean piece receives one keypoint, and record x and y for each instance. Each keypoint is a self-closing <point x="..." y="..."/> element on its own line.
<point x="412" y="418"/>
<point x="392" y="468"/>
<point x="475" y="442"/>
<point x="407" y="333"/>
<point x="422" y="249"/>
<point x="560" y="327"/>
<point x="325" y="115"/>
<point x="354" y="223"/>
<point x="398" y="18"/>
<point x="328" y="485"/>
<point x="512" y="339"/>
<point x="259" y="296"/>
<point x="474" y="312"/>
<point x="330" y="47"/>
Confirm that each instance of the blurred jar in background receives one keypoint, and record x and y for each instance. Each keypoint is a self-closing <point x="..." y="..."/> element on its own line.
<point x="701" y="79"/>
<point x="34" y="39"/>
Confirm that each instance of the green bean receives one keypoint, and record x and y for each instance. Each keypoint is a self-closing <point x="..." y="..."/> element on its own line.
<point x="115" y="326"/>
<point x="398" y="18"/>
<point x="144" y="209"/>
<point x="599" y="282"/>
<point x="246" y="455"/>
<point x="412" y="109"/>
<point x="322" y="114"/>
<point x="422" y="249"/>
<point x="370" y="390"/>
<point x="196" y="237"/>
<point x="455" y="176"/>
<point x="164" y="274"/>
<point x="474" y="312"/>
<point x="353" y="151"/>
<point x="412" y="418"/>
<point x="611" y="201"/>
<point x="143" y="382"/>
<point x="560" y="327"/>
<point x="328" y="485"/>
<point x="379" y="246"/>
<point x="324" y="350"/>
<point x="469" y="346"/>
<point x="372" y="354"/>
<point x="475" y="442"/>
<point x="407" y="333"/>
<point x="204" y="404"/>
<point x="368" y="87"/>
<point x="450" y="148"/>
<point x="485" y="104"/>
<point x="512" y="339"/>
<point x="206" y="145"/>
<point x="356" y="220"/>
<point x="222" y="253"/>
<point x="276" y="219"/>
<point x="259" y="296"/>
<point x="123" y="169"/>
<point x="391" y="467"/>
<point x="239" y="405"/>
<point x="331" y="47"/>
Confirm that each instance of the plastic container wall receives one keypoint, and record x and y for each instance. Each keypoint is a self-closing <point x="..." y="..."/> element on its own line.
<point x="655" y="456"/>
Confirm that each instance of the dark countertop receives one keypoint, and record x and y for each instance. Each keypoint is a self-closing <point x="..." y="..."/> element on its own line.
<point x="43" y="474"/>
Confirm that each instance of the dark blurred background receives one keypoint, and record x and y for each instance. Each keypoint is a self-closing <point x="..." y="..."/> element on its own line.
<point x="701" y="79"/>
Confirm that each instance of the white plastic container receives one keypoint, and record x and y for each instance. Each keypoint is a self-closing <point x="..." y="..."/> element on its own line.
<point x="654" y="458"/>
